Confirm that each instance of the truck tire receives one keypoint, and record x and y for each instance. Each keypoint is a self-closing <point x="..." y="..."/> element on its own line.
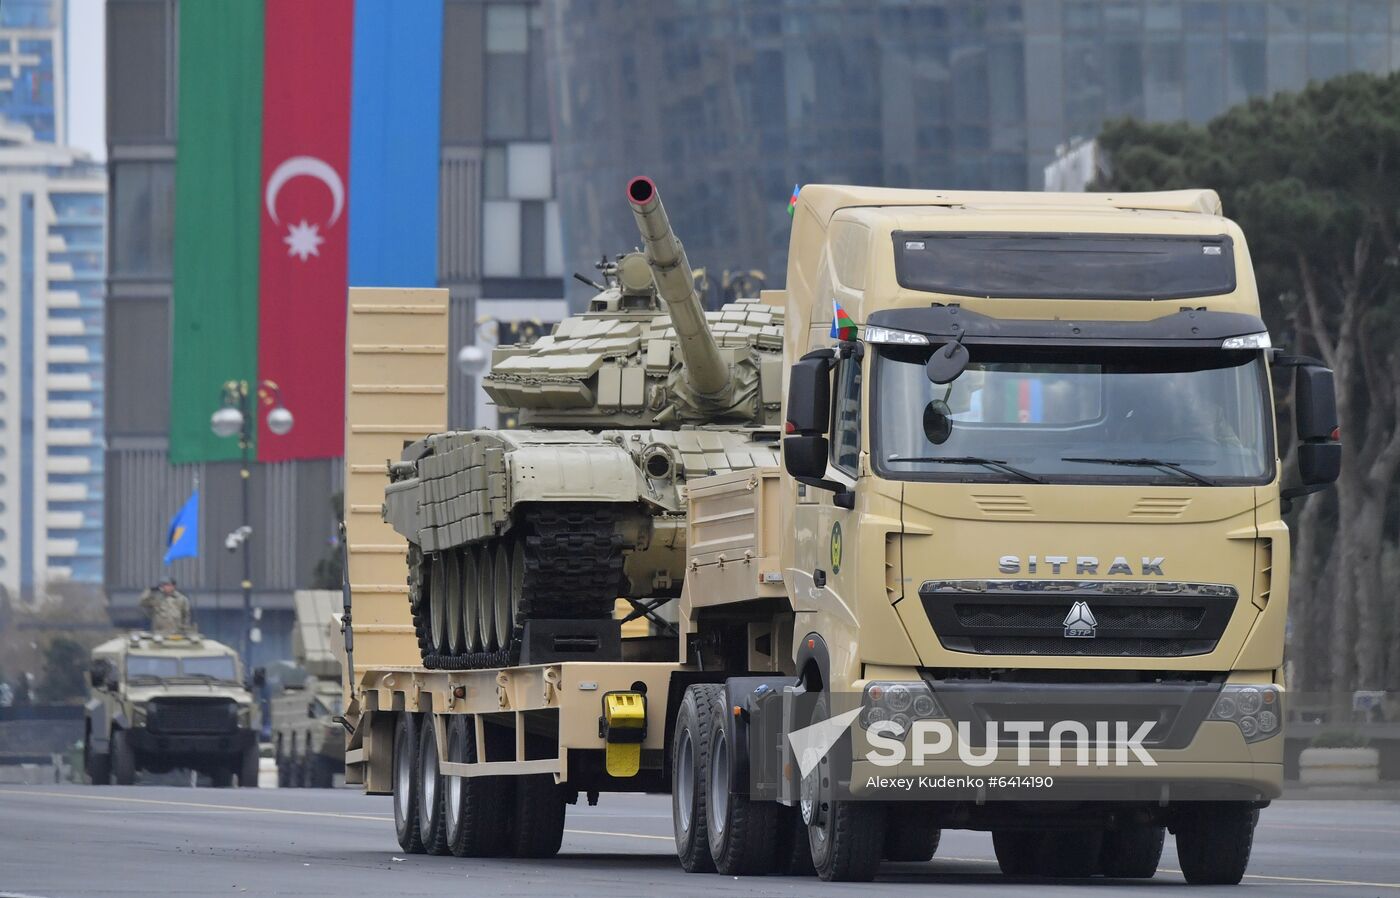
<point x="911" y="840"/>
<point x="432" y="814"/>
<point x="539" y="816"/>
<point x="847" y="836"/>
<point x="248" y="767"/>
<point x="123" y="759"/>
<point x="474" y="805"/>
<point x="284" y="770"/>
<point x="794" y="849"/>
<point x="405" y="784"/>
<point x="1132" y="852"/>
<point x="96" y="765"/>
<point x="1213" y="841"/>
<point x="690" y="750"/>
<point x="221" y="776"/>
<point x="1069" y="854"/>
<point x="1016" y="851"/>
<point x="743" y="833"/>
<point x="322" y="774"/>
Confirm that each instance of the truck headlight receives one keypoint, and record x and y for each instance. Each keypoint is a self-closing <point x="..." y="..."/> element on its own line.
<point x="245" y="715"/>
<point x="899" y="702"/>
<point x="1256" y="710"/>
<point x="138" y="715"/>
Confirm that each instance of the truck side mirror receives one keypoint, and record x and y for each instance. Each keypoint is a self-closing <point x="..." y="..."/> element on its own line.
<point x="100" y="673"/>
<point x="805" y="446"/>
<point x="1318" y="459"/>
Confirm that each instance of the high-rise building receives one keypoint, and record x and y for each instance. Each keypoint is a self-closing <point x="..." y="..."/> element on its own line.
<point x="728" y="103"/>
<point x="52" y="255"/>
<point x="497" y="251"/>
<point x="32" y="67"/>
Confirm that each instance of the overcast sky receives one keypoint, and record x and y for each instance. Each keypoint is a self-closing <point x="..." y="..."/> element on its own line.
<point x="87" y="126"/>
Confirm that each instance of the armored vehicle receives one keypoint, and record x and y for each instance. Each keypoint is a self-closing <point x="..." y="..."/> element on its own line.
<point x="165" y="701"/>
<point x="306" y="698"/>
<point x="521" y="540"/>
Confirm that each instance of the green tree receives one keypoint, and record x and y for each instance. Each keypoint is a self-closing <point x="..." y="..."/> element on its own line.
<point x="1314" y="180"/>
<point x="65" y="669"/>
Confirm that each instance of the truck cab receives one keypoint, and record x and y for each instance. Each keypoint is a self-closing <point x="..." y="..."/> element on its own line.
<point x="158" y="702"/>
<point x="1034" y="478"/>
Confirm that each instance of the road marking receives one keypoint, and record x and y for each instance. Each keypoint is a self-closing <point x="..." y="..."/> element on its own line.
<point x="255" y="810"/>
<point x="1387" y="831"/>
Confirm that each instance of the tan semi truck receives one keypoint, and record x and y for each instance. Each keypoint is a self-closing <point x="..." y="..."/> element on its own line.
<point x="1023" y="568"/>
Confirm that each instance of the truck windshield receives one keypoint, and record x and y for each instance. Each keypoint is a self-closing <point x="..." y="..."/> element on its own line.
<point x="1102" y="415"/>
<point x="152" y="666"/>
<point x="219" y="667"/>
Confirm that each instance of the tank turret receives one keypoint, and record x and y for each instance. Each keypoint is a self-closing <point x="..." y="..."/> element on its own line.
<point x="705" y="371"/>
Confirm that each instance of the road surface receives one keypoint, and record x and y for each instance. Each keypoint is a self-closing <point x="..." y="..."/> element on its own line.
<point x="61" y="841"/>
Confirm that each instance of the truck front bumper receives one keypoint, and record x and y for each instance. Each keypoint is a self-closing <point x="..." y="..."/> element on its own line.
<point x="147" y="742"/>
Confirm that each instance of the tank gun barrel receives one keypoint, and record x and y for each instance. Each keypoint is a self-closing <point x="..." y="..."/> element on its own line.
<point x="704" y="370"/>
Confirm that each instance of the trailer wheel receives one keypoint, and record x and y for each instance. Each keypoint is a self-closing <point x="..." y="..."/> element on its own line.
<point x="743" y="833"/>
<point x="248" y="767"/>
<point x="690" y="749"/>
<point x="539" y="816"/>
<point x="913" y="840"/>
<point x="432" y="823"/>
<point x="847" y="836"/>
<point x="1016" y="851"/>
<point x="1213" y="841"/>
<point x="1070" y="854"/>
<point x="1132" y="852"/>
<point x="474" y="804"/>
<point x="405" y="787"/>
<point x="123" y="759"/>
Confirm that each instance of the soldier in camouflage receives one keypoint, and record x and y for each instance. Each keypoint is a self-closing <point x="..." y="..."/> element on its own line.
<point x="168" y="608"/>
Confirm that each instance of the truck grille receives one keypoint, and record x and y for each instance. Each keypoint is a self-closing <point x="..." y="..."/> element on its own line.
<point x="198" y="715"/>
<point x="1027" y="617"/>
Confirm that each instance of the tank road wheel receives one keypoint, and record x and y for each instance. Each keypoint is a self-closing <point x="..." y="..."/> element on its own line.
<point x="847" y="837"/>
<point x="452" y="564"/>
<point x="437" y="603"/>
<point x="485" y="590"/>
<point x="743" y="833"/>
<point x="503" y="589"/>
<point x="123" y="759"/>
<point x="690" y="751"/>
<point x="432" y="823"/>
<point x="1213" y="841"/>
<point x="473" y="804"/>
<point x="471" y="598"/>
<point x="1132" y="852"/>
<point x="419" y="586"/>
<point x="405" y="784"/>
<point x="539" y="816"/>
<point x="248" y="767"/>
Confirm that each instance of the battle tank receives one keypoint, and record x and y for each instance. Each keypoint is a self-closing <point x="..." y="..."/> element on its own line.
<point x="522" y="540"/>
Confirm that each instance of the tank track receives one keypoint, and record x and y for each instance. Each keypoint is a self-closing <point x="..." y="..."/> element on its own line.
<point x="573" y="570"/>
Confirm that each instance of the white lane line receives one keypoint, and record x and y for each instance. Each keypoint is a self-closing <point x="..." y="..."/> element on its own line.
<point x="253" y="810"/>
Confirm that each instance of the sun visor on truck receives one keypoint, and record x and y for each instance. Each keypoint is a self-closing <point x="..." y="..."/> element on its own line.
<point x="1195" y="328"/>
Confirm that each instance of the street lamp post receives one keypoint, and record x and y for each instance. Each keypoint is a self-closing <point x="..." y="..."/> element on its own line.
<point x="235" y="417"/>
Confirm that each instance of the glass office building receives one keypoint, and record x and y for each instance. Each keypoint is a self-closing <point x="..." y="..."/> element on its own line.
<point x="728" y="103"/>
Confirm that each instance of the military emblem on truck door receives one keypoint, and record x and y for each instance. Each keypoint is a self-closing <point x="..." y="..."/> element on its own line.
<point x="1080" y="623"/>
<point x="836" y="548"/>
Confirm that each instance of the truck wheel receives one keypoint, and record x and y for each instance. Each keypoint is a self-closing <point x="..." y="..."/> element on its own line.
<point x="1213" y="840"/>
<point x="432" y="828"/>
<point x="221" y="776"/>
<point x="284" y="770"/>
<point x="539" y="816"/>
<point x="1069" y="854"/>
<point x="912" y="840"/>
<point x="405" y="789"/>
<point x="847" y="836"/>
<point x="1016" y="851"/>
<point x="322" y="774"/>
<point x="97" y="766"/>
<point x="690" y="750"/>
<point x="794" y="849"/>
<point x="473" y="804"/>
<point x="743" y="833"/>
<point x="123" y="759"/>
<point x="248" y="767"/>
<point x="1132" y="852"/>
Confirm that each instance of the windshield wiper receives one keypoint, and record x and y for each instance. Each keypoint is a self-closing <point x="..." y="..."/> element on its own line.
<point x="1146" y="463"/>
<point x="994" y="464"/>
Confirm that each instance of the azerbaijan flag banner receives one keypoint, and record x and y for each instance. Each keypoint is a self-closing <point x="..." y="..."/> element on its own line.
<point x="308" y="137"/>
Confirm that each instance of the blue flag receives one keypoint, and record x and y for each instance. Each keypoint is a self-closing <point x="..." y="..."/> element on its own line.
<point x="182" y="540"/>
